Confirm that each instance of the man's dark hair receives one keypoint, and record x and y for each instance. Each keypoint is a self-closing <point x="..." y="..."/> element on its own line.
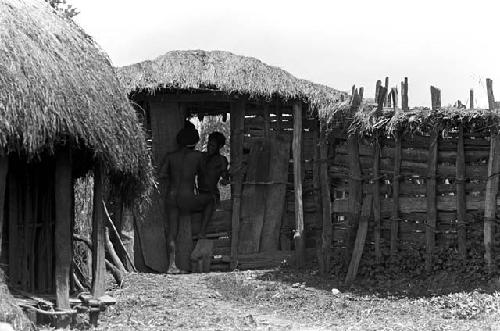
<point x="218" y="137"/>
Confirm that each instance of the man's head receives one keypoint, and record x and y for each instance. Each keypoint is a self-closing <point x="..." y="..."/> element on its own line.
<point x="188" y="137"/>
<point x="216" y="141"/>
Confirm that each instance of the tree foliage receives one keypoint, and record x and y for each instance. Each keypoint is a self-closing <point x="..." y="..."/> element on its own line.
<point x="63" y="7"/>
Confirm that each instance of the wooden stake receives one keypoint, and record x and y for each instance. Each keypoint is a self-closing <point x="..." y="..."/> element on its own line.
<point x="395" y="194"/>
<point x="237" y="125"/>
<point x="4" y="167"/>
<point x="404" y="94"/>
<point x="98" y="235"/>
<point x="355" y="185"/>
<point x="360" y="240"/>
<point x="386" y="85"/>
<point x="327" y="234"/>
<point x="471" y="97"/>
<point x="376" y="199"/>
<point x="63" y="231"/>
<point x="491" y="187"/>
<point x="431" y="182"/>
<point x="394" y="95"/>
<point x="298" y="236"/>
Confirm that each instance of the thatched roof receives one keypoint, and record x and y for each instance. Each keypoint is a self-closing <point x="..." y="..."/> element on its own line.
<point x="57" y="86"/>
<point x="227" y="72"/>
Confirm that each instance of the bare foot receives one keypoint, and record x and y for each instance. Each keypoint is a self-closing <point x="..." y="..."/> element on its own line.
<point x="173" y="270"/>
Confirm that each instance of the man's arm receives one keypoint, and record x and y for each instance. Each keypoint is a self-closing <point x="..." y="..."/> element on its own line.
<point x="225" y="172"/>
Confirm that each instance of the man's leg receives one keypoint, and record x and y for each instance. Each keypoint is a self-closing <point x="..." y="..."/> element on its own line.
<point x="173" y="222"/>
<point x="208" y="202"/>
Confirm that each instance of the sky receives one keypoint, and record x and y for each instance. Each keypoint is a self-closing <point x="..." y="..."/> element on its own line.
<point x="453" y="45"/>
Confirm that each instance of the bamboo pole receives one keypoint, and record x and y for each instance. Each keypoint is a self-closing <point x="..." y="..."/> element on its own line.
<point x="237" y="126"/>
<point x="471" y="99"/>
<point x="387" y="98"/>
<point x="63" y="231"/>
<point x="298" y="236"/>
<point x="98" y="235"/>
<point x="404" y="94"/>
<point x="491" y="187"/>
<point x="327" y="234"/>
<point x="431" y="183"/>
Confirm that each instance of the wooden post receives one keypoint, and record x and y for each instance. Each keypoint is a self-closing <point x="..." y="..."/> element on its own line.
<point x="379" y="98"/>
<point x="387" y="97"/>
<point x="471" y="99"/>
<point x="395" y="183"/>
<point x="278" y="115"/>
<point x="355" y="183"/>
<point x="63" y="231"/>
<point x="491" y="187"/>
<point x="431" y="182"/>
<point x="267" y="121"/>
<point x="4" y="167"/>
<point x="360" y="240"/>
<point x="404" y="94"/>
<point x="98" y="235"/>
<point x="394" y="97"/>
<point x="327" y="234"/>
<point x="460" y="184"/>
<point x="237" y="125"/>
<point x="298" y="236"/>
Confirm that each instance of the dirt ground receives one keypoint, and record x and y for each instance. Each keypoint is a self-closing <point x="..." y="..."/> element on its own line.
<point x="287" y="300"/>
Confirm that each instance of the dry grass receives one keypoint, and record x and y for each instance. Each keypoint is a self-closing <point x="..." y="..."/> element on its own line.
<point x="58" y="88"/>
<point x="9" y="312"/>
<point x="229" y="73"/>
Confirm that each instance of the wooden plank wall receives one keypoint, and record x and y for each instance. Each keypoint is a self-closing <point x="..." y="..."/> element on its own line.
<point x="281" y="120"/>
<point x="412" y="194"/>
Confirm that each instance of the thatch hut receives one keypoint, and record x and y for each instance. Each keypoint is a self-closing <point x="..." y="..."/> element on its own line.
<point x="274" y="132"/>
<point x="63" y="114"/>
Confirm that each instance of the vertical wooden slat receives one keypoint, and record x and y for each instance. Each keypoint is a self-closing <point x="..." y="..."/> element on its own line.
<point x="491" y="186"/>
<point x="460" y="184"/>
<point x="395" y="183"/>
<point x="431" y="183"/>
<point x="379" y="98"/>
<point x="98" y="235"/>
<point x="237" y="126"/>
<point x="355" y="183"/>
<point x="327" y="233"/>
<point x="279" y="116"/>
<point x="63" y="231"/>
<point x="360" y="239"/>
<point x="4" y="167"/>
<point x="297" y="181"/>
<point x="267" y="121"/>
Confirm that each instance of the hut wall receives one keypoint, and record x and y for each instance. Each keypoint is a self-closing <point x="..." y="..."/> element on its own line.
<point x="413" y="196"/>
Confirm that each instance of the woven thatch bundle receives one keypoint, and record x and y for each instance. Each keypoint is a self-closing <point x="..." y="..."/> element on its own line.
<point x="367" y="122"/>
<point x="58" y="87"/>
<point x="229" y="73"/>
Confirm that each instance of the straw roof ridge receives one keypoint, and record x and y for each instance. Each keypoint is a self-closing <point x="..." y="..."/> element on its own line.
<point x="227" y="72"/>
<point x="57" y="85"/>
